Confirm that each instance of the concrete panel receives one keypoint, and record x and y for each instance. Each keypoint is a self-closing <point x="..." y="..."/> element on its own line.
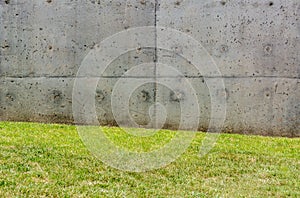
<point x="265" y="106"/>
<point x="51" y="38"/>
<point x="174" y="98"/>
<point x="256" y="106"/>
<point x="37" y="99"/>
<point x="245" y="38"/>
<point x="50" y="100"/>
<point x="139" y="102"/>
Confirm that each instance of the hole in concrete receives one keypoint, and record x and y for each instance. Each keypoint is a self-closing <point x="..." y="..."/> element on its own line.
<point x="176" y="96"/>
<point x="100" y="95"/>
<point x="224" y="48"/>
<point x="268" y="49"/>
<point x="5" y="46"/>
<point x="49" y="1"/>
<point x="145" y="96"/>
<point x="271" y="3"/>
<point x="138" y="49"/>
<point x="9" y="97"/>
<point x="95" y="2"/>
<point x="223" y="3"/>
<point x="177" y="3"/>
<point x="57" y="96"/>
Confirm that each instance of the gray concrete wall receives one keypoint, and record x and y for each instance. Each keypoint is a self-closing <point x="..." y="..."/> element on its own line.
<point x="254" y="43"/>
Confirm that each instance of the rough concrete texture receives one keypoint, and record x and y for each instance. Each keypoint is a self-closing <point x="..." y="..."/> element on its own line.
<point x="255" y="44"/>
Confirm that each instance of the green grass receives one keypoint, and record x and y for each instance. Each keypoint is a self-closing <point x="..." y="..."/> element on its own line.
<point x="39" y="160"/>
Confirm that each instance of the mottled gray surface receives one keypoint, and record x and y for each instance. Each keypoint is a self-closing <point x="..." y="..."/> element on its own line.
<point x="254" y="43"/>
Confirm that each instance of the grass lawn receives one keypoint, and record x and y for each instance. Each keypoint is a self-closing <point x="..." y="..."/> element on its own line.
<point x="39" y="160"/>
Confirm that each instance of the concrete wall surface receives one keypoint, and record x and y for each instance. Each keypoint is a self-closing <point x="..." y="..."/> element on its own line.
<point x="246" y="52"/>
